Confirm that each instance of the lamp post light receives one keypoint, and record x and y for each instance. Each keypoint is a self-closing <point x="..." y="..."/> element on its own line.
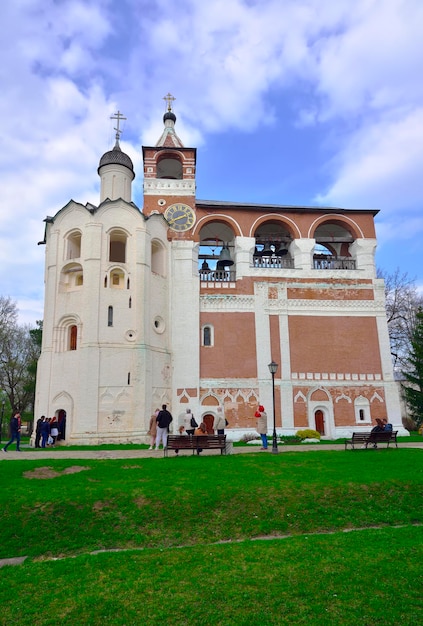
<point x="273" y="368"/>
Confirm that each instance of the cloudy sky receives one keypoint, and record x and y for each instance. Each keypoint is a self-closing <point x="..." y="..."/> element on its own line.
<point x="288" y="102"/>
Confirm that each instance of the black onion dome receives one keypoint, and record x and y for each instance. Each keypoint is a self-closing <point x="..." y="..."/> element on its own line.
<point x="116" y="157"/>
<point x="169" y="116"/>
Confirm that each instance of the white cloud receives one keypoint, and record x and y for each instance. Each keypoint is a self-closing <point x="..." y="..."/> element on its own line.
<point x="380" y="165"/>
<point x="350" y="68"/>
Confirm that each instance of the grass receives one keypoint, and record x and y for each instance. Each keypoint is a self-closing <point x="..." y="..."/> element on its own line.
<point x="257" y="539"/>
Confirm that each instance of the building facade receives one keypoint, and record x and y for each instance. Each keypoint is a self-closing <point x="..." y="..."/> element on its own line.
<point x="186" y="302"/>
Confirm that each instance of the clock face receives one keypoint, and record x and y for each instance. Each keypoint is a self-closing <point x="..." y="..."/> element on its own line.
<point x="180" y="217"/>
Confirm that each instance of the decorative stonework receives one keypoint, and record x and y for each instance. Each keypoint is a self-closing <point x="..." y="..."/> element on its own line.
<point x="211" y="302"/>
<point x="334" y="376"/>
<point x="178" y="187"/>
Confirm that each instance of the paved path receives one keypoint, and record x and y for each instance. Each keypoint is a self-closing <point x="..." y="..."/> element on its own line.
<point x="63" y="453"/>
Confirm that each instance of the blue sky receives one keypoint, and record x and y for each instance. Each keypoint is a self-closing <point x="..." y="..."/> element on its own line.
<point x="310" y="102"/>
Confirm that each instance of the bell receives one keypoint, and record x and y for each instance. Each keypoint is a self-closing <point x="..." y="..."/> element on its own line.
<point x="267" y="250"/>
<point x="282" y="250"/>
<point x="205" y="266"/>
<point x="224" y="257"/>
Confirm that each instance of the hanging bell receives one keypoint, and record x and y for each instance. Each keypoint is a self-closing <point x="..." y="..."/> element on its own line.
<point x="205" y="266"/>
<point x="267" y="250"/>
<point x="282" y="250"/>
<point x="224" y="257"/>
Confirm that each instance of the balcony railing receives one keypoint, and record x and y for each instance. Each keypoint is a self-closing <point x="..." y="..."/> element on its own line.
<point x="217" y="276"/>
<point x="326" y="262"/>
<point x="273" y="262"/>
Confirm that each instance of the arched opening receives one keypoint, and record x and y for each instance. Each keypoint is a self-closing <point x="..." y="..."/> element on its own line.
<point x="216" y="258"/>
<point x="170" y="167"/>
<point x="271" y="250"/>
<point x="73" y="245"/>
<point x="117" y="247"/>
<point x="332" y="249"/>
<point x="158" y="258"/>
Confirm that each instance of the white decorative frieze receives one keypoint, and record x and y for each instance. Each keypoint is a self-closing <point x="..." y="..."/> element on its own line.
<point x="228" y="303"/>
<point x="335" y="377"/>
<point x="156" y="187"/>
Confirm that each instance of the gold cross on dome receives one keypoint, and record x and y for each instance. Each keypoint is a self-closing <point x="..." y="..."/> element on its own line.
<point x="169" y="99"/>
<point x="118" y="116"/>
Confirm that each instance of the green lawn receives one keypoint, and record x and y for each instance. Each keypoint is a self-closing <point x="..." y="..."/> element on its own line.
<point x="243" y="539"/>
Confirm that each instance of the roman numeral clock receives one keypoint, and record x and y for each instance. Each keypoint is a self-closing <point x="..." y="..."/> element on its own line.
<point x="180" y="217"/>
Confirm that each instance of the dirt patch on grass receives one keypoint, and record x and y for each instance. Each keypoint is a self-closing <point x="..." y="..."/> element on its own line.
<point x="43" y="473"/>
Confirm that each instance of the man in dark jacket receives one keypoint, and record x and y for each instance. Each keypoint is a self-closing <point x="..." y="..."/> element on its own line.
<point x="15" y="432"/>
<point x="163" y="419"/>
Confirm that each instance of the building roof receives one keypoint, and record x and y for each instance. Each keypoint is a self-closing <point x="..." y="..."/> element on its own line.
<point x="116" y="157"/>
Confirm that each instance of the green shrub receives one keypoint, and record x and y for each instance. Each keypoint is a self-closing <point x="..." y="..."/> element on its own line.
<point x="308" y="433"/>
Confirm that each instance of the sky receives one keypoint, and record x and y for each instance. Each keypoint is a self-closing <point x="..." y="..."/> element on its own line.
<point x="302" y="102"/>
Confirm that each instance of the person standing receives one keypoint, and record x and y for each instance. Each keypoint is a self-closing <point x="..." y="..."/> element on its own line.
<point x="38" y="431"/>
<point x="152" y="429"/>
<point x="262" y="426"/>
<point x="15" y="432"/>
<point x="219" y="422"/>
<point x="189" y="423"/>
<point x="45" y="431"/>
<point x="54" y="430"/>
<point x="164" y="418"/>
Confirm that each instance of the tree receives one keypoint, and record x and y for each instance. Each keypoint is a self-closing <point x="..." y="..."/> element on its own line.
<point x="413" y="389"/>
<point x="402" y="303"/>
<point x="19" y="352"/>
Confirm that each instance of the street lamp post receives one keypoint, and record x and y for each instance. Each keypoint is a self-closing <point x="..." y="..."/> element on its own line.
<point x="273" y="368"/>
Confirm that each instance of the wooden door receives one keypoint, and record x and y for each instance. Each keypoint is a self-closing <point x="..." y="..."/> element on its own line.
<point x="320" y="424"/>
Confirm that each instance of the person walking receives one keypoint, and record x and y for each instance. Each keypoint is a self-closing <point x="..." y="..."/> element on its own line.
<point x="164" y="418"/>
<point x="262" y="426"/>
<point x="15" y="432"/>
<point x="219" y="422"/>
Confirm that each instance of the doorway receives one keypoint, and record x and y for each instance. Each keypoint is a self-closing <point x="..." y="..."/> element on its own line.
<point x="319" y="421"/>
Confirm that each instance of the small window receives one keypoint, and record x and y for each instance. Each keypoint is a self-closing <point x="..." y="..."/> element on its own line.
<point x="361" y="414"/>
<point x="73" y="334"/>
<point x="207" y="336"/>
<point x="110" y="316"/>
<point x="130" y="302"/>
<point x="127" y="284"/>
<point x="129" y="378"/>
<point x="105" y="281"/>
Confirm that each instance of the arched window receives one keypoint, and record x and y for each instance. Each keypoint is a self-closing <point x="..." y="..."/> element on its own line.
<point x="110" y="316"/>
<point x="117" y="247"/>
<point x="207" y="336"/>
<point x="362" y="410"/>
<point x="117" y="279"/>
<point x="158" y="258"/>
<point x="73" y="246"/>
<point x="73" y="337"/>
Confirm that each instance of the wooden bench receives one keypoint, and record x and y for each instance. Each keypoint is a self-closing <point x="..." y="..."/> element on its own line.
<point x="195" y="443"/>
<point x="385" y="436"/>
